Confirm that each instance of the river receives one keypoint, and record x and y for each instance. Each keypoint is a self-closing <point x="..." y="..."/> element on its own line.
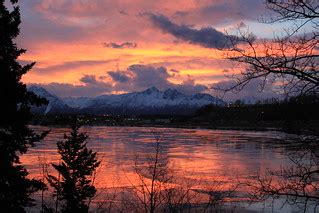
<point x="223" y="156"/>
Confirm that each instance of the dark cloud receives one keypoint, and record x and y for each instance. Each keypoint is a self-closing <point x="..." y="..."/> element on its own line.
<point x="70" y="90"/>
<point x="254" y="90"/>
<point x="123" y="12"/>
<point x="89" y="79"/>
<point x="146" y="75"/>
<point x="37" y="27"/>
<point x="119" y="76"/>
<point x="136" y="78"/>
<point x="225" y="11"/>
<point x="139" y="77"/>
<point x="90" y="87"/>
<point x="206" y="37"/>
<point x="181" y="13"/>
<point x="174" y="70"/>
<point x="190" y="87"/>
<point x="120" y="46"/>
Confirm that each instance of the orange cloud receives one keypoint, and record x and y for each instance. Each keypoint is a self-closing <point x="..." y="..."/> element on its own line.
<point x="67" y="38"/>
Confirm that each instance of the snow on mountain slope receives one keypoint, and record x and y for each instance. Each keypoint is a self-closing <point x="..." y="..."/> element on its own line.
<point x="149" y="101"/>
<point x="79" y="102"/>
<point x="55" y="104"/>
<point x="151" y="97"/>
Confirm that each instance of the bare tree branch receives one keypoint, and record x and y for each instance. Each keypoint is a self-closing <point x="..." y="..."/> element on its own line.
<point x="290" y="61"/>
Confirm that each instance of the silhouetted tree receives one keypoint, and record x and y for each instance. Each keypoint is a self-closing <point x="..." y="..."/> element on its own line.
<point x="78" y="163"/>
<point x="290" y="59"/>
<point x="160" y="188"/>
<point x="154" y="178"/>
<point x="298" y="184"/>
<point x="15" y="135"/>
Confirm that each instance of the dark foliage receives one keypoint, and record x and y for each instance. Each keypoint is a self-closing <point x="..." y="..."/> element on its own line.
<point x="73" y="185"/>
<point x="302" y="108"/>
<point x="15" y="135"/>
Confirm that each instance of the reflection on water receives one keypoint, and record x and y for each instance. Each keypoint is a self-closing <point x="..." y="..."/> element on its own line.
<point x="197" y="153"/>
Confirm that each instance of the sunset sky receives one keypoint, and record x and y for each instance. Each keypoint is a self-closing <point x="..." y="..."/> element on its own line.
<point x="94" y="47"/>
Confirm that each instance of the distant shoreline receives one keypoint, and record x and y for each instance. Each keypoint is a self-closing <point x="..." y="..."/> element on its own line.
<point x="260" y="128"/>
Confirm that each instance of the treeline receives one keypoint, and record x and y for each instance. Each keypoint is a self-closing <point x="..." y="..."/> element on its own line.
<point x="289" y="114"/>
<point x="293" y="109"/>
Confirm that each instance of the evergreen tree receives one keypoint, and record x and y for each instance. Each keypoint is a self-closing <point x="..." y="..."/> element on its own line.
<point x="73" y="185"/>
<point x="15" y="135"/>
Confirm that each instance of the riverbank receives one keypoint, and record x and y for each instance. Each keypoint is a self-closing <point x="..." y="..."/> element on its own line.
<point x="308" y="127"/>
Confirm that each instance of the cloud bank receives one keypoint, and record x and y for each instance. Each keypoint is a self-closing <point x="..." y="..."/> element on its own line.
<point x="206" y="37"/>
<point x="120" y="46"/>
<point x="250" y="93"/>
<point x="137" y="77"/>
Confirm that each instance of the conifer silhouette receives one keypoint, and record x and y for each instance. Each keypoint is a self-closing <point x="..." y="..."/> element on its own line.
<point x="15" y="135"/>
<point x="73" y="185"/>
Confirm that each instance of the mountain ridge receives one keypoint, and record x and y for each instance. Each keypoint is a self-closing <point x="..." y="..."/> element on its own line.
<point x="149" y="101"/>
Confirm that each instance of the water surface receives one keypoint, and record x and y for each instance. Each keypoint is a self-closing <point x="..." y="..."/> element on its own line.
<point x="194" y="153"/>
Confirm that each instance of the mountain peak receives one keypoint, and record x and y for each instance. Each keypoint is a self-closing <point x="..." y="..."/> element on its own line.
<point x="172" y="94"/>
<point x="40" y="91"/>
<point x="169" y="90"/>
<point x="55" y="104"/>
<point x="36" y="88"/>
<point x="151" y="90"/>
<point x="150" y="101"/>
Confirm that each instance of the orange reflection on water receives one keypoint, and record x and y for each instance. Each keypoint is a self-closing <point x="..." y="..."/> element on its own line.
<point x="205" y="160"/>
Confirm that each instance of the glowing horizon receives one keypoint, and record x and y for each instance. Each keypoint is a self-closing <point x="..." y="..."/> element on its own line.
<point x="78" y="43"/>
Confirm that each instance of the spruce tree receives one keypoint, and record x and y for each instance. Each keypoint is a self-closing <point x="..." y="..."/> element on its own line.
<point x="15" y="135"/>
<point x="73" y="185"/>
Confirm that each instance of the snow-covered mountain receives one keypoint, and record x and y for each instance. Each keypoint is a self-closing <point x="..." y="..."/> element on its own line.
<point x="55" y="105"/>
<point x="150" y="101"/>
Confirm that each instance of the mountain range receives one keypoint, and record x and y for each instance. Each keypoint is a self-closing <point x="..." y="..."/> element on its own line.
<point x="149" y="102"/>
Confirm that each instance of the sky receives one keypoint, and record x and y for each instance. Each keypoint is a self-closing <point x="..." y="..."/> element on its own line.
<point x="95" y="47"/>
